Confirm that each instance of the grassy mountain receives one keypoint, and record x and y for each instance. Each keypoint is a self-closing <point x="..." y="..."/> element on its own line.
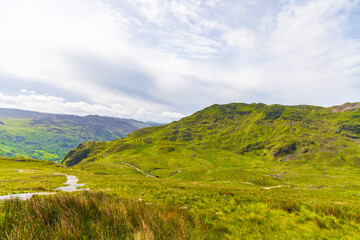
<point x="266" y="172"/>
<point x="222" y="141"/>
<point x="51" y="136"/>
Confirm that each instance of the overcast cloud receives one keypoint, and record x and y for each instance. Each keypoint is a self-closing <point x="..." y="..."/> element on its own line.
<point x="161" y="60"/>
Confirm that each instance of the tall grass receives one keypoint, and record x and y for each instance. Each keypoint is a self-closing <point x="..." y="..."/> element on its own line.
<point x="97" y="216"/>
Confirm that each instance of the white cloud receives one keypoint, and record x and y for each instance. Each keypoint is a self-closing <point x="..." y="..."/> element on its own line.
<point x="41" y="41"/>
<point x="29" y="100"/>
<point x="160" y="11"/>
<point x="240" y="38"/>
<point x="309" y="55"/>
<point x="172" y="115"/>
<point x="39" y="37"/>
<point x="28" y="92"/>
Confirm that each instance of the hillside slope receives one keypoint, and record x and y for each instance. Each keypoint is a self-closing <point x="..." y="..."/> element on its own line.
<point x="222" y="141"/>
<point x="51" y="136"/>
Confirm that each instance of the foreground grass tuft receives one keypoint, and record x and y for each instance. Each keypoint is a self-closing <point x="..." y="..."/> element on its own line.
<point x="97" y="216"/>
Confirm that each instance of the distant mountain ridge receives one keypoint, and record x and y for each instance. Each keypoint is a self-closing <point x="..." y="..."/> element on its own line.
<point x="51" y="136"/>
<point x="227" y="138"/>
<point x="17" y="113"/>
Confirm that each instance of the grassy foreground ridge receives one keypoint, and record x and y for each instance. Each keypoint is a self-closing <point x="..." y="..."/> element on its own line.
<point x="97" y="216"/>
<point x="205" y="209"/>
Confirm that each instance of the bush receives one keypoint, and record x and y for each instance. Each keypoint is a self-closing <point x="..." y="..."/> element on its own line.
<point x="286" y="205"/>
<point x="273" y="112"/>
<point x="284" y="150"/>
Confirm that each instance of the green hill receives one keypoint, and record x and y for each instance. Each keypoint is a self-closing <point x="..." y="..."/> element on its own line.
<point x="222" y="141"/>
<point x="51" y="136"/>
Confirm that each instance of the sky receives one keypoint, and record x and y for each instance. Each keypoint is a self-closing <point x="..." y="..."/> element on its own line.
<point x="161" y="60"/>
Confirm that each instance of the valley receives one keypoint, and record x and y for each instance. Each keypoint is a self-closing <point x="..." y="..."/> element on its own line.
<point x="51" y="136"/>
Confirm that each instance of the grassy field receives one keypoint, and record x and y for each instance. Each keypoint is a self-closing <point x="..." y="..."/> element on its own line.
<point x="26" y="175"/>
<point x="305" y="203"/>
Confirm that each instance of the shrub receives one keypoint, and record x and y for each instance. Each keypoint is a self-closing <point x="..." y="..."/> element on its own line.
<point x="284" y="150"/>
<point x="273" y="112"/>
<point x="286" y="205"/>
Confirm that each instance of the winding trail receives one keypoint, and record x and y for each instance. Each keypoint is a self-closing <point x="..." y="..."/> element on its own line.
<point x="22" y="196"/>
<point x="280" y="186"/>
<point x="72" y="184"/>
<point x="71" y="187"/>
<point x="138" y="169"/>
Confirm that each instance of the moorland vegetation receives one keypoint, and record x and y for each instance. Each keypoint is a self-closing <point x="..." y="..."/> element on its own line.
<point x="236" y="171"/>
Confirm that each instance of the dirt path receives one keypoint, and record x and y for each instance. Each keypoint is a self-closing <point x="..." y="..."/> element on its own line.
<point x="138" y="169"/>
<point x="72" y="184"/>
<point x="71" y="187"/>
<point x="280" y="186"/>
<point x="22" y="196"/>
